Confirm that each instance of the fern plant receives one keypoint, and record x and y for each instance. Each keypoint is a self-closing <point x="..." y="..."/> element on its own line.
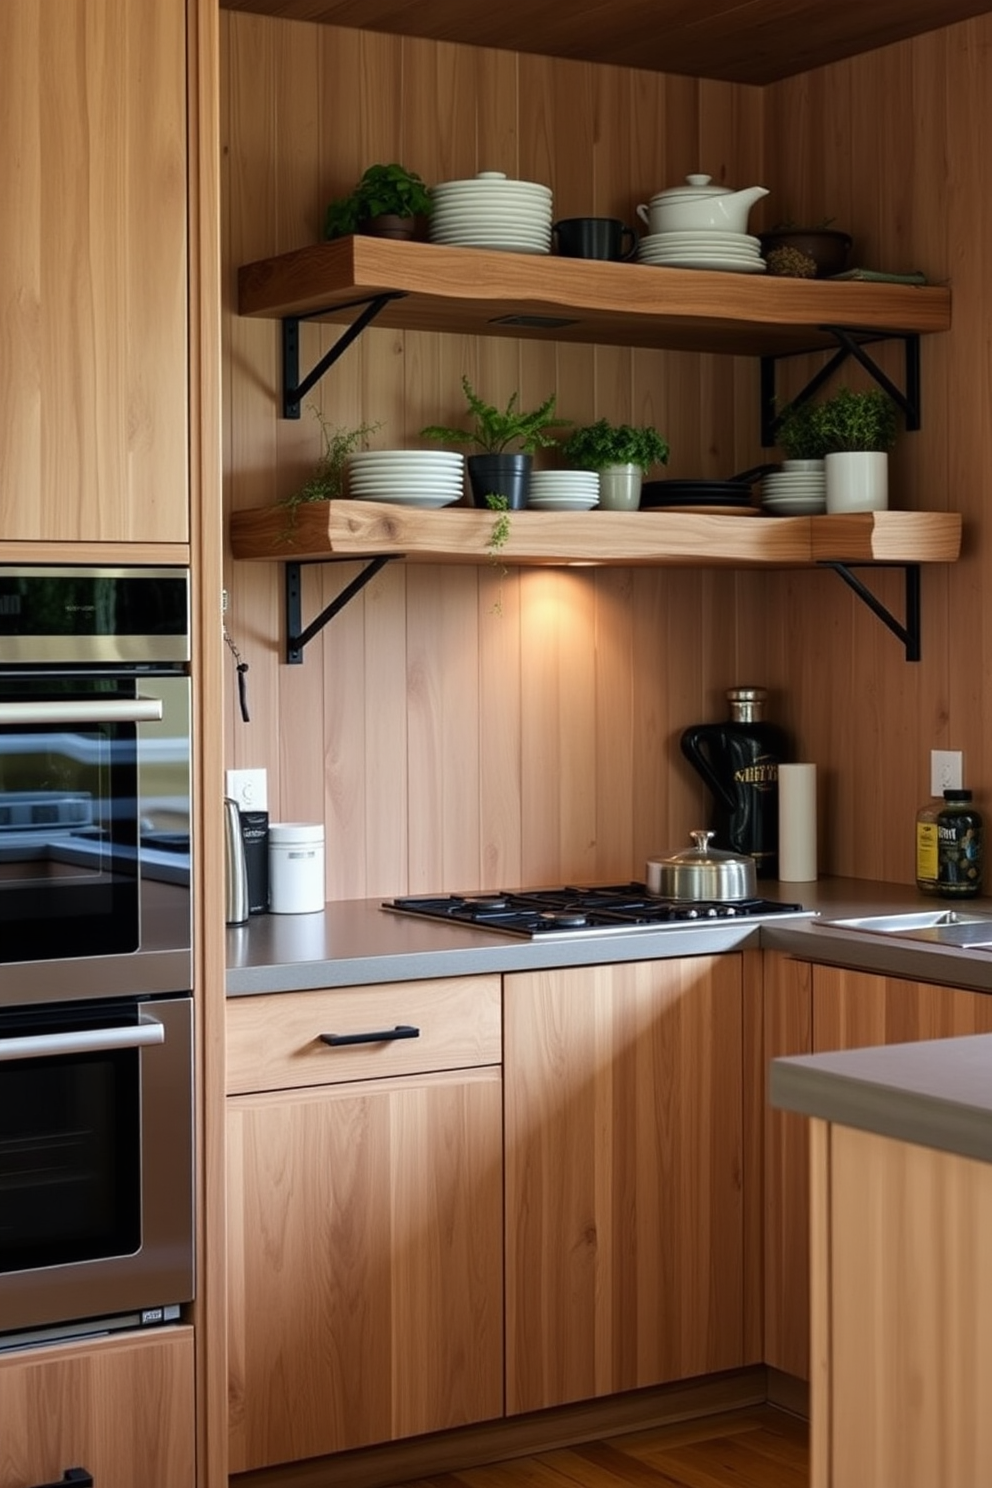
<point x="495" y="430"/>
<point x="327" y="479"/>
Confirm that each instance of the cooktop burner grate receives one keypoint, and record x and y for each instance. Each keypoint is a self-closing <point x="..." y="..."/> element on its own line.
<point x="564" y="913"/>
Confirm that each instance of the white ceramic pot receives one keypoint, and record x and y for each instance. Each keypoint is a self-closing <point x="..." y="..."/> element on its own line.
<point x="620" y="487"/>
<point x="857" y="481"/>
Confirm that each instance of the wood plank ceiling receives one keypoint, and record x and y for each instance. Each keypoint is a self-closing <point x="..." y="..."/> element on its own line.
<point x="743" y="41"/>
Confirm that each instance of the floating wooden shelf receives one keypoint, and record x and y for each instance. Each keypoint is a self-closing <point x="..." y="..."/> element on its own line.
<point x="470" y="291"/>
<point x="368" y="529"/>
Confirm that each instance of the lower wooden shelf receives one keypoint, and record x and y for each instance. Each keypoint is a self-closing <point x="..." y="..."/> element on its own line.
<point x="369" y="529"/>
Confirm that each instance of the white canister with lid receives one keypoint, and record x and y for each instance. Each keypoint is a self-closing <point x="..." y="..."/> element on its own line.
<point x="296" y="867"/>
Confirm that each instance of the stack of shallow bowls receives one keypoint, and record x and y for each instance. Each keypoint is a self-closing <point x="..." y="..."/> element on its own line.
<point x="799" y="489"/>
<point x="407" y="477"/>
<point x="563" y="490"/>
<point x="491" y="211"/>
<point x="703" y="248"/>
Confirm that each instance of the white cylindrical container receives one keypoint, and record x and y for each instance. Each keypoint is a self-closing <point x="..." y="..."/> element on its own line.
<point x="296" y="867"/>
<point x="797" y="823"/>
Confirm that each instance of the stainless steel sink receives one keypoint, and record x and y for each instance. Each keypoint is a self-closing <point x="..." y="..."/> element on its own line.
<point x="951" y="927"/>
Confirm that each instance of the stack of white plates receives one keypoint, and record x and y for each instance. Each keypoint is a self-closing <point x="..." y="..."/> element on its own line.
<point x="729" y="252"/>
<point x="407" y="477"/>
<point x="794" y="493"/>
<point x="563" y="490"/>
<point x="491" y="211"/>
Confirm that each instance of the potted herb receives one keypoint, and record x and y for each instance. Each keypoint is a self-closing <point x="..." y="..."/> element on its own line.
<point x="622" y="453"/>
<point x="386" y="202"/>
<point x="859" y="430"/>
<point x="800" y="434"/>
<point x="506" y="438"/>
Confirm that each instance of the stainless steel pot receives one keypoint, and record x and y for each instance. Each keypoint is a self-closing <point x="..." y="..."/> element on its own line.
<point x="702" y="872"/>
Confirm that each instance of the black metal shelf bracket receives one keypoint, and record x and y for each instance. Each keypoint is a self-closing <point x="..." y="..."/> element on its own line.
<point x="909" y="633"/>
<point x="297" y="639"/>
<point x="851" y="342"/>
<point x="295" y="389"/>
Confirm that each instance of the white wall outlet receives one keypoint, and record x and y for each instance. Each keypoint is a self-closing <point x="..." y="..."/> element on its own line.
<point x="946" y="770"/>
<point x="249" y="788"/>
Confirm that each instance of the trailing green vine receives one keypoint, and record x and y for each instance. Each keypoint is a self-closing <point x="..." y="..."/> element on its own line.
<point x="499" y="535"/>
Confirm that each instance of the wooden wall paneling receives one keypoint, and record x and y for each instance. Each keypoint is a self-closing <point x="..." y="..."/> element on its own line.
<point x="576" y="775"/>
<point x="616" y="647"/>
<point x="366" y="759"/>
<point x="541" y="599"/>
<point x="443" y="708"/>
<point x="501" y="661"/>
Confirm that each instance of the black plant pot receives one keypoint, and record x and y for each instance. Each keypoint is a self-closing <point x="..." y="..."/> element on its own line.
<point x="499" y="475"/>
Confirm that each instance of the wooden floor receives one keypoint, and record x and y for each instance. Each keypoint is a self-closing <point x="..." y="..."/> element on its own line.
<point x="759" y="1447"/>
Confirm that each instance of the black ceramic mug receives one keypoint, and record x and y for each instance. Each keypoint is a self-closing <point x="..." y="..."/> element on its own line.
<point x="595" y="237"/>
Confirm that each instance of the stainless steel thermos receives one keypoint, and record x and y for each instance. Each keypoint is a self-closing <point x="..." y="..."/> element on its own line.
<point x="235" y="870"/>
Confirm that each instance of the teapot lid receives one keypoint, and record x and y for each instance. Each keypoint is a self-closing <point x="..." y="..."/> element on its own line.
<point x="697" y="187"/>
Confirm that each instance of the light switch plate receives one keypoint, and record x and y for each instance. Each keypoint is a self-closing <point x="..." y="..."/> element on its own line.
<point x="249" y="788"/>
<point x="946" y="770"/>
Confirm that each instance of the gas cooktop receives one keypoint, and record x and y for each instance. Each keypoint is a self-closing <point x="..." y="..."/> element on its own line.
<point x="564" y="913"/>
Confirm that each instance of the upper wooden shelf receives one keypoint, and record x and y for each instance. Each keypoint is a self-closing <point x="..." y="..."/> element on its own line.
<point x="368" y="529"/>
<point x="469" y="291"/>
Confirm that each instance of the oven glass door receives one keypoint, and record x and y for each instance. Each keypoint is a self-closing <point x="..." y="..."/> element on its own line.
<point x="71" y="813"/>
<point x="70" y="1133"/>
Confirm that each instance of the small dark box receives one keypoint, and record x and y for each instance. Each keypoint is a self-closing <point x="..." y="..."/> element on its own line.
<point x="255" y="835"/>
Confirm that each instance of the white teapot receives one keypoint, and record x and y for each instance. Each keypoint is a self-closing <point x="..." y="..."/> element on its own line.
<point x="700" y="206"/>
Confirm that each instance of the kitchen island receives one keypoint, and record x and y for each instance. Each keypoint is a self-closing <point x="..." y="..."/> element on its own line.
<point x="901" y="1212"/>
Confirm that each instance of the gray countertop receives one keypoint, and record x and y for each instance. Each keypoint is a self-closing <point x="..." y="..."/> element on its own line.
<point x="937" y="1093"/>
<point x="356" y="943"/>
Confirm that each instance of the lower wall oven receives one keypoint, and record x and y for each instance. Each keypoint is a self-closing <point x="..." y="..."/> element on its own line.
<point x="96" y="1166"/>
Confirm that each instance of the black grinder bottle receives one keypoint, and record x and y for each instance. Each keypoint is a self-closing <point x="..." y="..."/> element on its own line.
<point x="959" y="846"/>
<point x="739" y="761"/>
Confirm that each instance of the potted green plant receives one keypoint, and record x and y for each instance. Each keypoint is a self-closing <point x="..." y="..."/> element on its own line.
<point x="506" y="439"/>
<point x="386" y="202"/>
<point x="859" y="430"/>
<point x="800" y="433"/>
<point x="622" y="454"/>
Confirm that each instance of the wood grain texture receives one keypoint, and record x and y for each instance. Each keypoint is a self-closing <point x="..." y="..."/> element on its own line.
<point x="837" y="678"/>
<point x="120" y="1407"/>
<point x="816" y="1009"/>
<point x="94" y="275"/>
<point x="788" y="1029"/>
<point x="273" y="1043"/>
<point x="365" y="1264"/>
<point x="624" y="1160"/>
<point x="910" y="1315"/>
<point x="758" y="44"/>
<point x="469" y="291"/>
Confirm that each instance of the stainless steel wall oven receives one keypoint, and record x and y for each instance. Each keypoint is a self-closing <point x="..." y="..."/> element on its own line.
<point x="96" y="1058"/>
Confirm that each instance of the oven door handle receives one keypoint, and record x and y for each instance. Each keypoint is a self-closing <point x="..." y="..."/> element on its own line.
<point x="83" y="1041"/>
<point x="96" y="710"/>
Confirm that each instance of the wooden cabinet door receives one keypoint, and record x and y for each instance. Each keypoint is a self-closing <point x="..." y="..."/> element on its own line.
<point x="812" y="1008"/>
<point x="122" y="1408"/>
<point x="365" y="1263"/>
<point x="788" y="1029"/>
<point x="93" y="274"/>
<point x="623" y="1155"/>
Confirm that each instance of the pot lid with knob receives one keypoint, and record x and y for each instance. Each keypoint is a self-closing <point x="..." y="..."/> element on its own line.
<point x="702" y="872"/>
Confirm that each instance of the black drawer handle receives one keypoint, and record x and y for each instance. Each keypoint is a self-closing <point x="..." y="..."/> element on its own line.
<point x="383" y="1036"/>
<point x="77" y="1475"/>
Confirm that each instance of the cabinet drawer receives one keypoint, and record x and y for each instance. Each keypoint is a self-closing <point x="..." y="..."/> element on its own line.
<point x="275" y="1042"/>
